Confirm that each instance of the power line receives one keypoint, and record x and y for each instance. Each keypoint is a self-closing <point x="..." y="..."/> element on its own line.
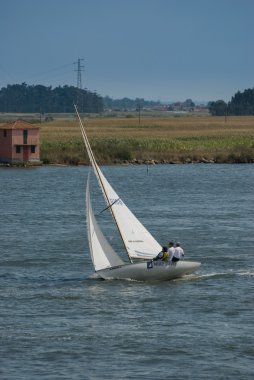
<point x="45" y="74"/>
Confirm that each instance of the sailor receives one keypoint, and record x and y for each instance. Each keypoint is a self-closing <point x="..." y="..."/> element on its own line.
<point x="162" y="255"/>
<point x="179" y="252"/>
<point x="171" y="251"/>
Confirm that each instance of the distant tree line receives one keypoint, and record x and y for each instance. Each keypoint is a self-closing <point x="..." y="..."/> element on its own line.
<point x="42" y="99"/>
<point x="187" y="105"/>
<point x="126" y="104"/>
<point x="25" y="98"/>
<point x="242" y="103"/>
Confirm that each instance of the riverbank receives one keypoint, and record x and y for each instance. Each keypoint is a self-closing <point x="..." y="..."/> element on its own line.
<point x="134" y="162"/>
<point x="185" y="139"/>
<point x="165" y="140"/>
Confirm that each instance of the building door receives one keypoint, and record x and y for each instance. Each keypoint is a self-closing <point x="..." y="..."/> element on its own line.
<point x="25" y="153"/>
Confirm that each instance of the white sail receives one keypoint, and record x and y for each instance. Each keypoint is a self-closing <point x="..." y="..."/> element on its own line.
<point x="139" y="243"/>
<point x="103" y="255"/>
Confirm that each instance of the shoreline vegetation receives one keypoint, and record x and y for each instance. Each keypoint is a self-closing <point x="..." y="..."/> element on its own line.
<point x="174" y="139"/>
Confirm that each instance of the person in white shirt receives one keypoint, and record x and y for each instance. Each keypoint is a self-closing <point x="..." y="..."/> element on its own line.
<point x="179" y="252"/>
<point x="171" y="250"/>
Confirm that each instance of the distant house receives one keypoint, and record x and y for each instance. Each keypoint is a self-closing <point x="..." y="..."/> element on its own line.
<point x="19" y="143"/>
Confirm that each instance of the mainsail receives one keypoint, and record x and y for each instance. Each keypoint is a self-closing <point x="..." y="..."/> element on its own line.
<point x="138" y="241"/>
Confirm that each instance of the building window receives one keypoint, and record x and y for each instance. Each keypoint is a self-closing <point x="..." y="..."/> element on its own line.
<point x="5" y="132"/>
<point x="25" y="136"/>
<point x="18" y="149"/>
<point x="32" y="148"/>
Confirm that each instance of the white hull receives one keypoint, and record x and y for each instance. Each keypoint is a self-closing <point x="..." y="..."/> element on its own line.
<point x="149" y="271"/>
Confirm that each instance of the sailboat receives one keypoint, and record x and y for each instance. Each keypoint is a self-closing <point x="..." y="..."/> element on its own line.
<point x="140" y="246"/>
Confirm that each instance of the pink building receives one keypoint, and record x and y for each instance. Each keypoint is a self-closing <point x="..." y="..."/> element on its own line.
<point x="19" y="143"/>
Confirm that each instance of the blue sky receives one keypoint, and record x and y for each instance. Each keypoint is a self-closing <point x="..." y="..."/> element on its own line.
<point x="155" y="49"/>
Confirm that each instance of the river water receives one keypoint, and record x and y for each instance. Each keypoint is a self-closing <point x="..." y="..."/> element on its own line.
<point x="58" y="321"/>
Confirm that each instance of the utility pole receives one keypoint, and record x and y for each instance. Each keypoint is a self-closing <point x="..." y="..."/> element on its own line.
<point x="79" y="70"/>
<point x="226" y="113"/>
<point x="138" y="109"/>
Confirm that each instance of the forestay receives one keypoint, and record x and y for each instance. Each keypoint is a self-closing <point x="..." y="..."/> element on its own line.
<point x="138" y="241"/>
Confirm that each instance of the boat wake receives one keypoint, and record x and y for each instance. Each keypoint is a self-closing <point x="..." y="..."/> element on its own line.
<point x="94" y="276"/>
<point x="246" y="273"/>
<point x="200" y="276"/>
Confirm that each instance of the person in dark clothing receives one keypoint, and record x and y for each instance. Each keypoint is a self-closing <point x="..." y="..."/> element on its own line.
<point x="162" y="255"/>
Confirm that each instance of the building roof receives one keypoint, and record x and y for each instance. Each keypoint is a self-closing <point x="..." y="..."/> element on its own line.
<point x="19" y="124"/>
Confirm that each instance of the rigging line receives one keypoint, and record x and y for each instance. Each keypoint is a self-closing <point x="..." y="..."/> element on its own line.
<point x="109" y="206"/>
<point x="91" y="155"/>
<point x="97" y="172"/>
<point x="43" y="73"/>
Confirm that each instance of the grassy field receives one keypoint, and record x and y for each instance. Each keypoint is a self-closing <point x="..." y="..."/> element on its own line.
<point x="171" y="139"/>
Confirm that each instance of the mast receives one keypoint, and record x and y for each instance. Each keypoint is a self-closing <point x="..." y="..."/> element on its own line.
<point x="98" y="175"/>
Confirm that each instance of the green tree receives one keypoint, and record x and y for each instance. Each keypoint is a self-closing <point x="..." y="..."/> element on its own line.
<point x="39" y="98"/>
<point x="242" y="103"/>
<point x="218" y="108"/>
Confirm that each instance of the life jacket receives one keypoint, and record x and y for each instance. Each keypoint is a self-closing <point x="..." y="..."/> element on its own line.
<point x="165" y="256"/>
